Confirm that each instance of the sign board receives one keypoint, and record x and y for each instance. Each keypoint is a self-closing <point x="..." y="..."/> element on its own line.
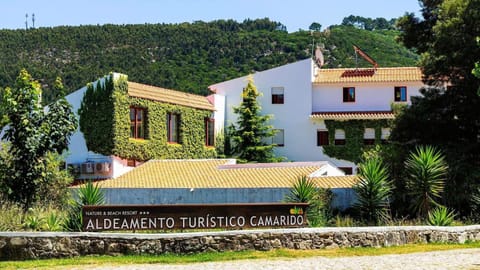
<point x="193" y="216"/>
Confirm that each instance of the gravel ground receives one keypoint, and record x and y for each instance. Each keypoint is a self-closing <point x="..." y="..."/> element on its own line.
<point x="453" y="259"/>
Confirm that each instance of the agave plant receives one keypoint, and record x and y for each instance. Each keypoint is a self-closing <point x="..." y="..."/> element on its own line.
<point x="441" y="216"/>
<point x="88" y="194"/>
<point x="302" y="191"/>
<point x="426" y="173"/>
<point x="306" y="191"/>
<point x="373" y="190"/>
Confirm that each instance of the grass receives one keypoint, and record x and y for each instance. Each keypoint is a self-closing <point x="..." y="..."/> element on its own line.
<point x="227" y="256"/>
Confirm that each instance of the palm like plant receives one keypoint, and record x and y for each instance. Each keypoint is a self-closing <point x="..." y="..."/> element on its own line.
<point x="426" y="173"/>
<point x="373" y="190"/>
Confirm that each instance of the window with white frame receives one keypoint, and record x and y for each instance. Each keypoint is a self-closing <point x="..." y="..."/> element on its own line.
<point x="369" y="136"/>
<point x="339" y="137"/>
<point x="385" y="135"/>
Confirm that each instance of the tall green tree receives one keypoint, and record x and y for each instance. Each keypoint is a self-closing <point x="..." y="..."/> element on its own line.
<point x="252" y="132"/>
<point x="446" y="117"/>
<point x="32" y="133"/>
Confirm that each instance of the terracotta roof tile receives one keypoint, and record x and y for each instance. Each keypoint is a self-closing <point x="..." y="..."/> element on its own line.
<point x="353" y="115"/>
<point x="344" y="75"/>
<point x="168" y="96"/>
<point x="216" y="173"/>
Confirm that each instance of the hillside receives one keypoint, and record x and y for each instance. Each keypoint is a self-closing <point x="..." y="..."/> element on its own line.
<point x="187" y="56"/>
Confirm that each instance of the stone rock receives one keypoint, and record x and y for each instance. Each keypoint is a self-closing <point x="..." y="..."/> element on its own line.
<point x="18" y="242"/>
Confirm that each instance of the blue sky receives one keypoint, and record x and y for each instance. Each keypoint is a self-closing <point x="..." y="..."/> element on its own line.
<point x="295" y="14"/>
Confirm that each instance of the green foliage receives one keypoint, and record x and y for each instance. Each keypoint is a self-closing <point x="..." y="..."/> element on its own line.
<point x="373" y="189"/>
<point x="304" y="190"/>
<point x="426" y="171"/>
<point x="446" y="39"/>
<point x="105" y="122"/>
<point x="11" y="214"/>
<point x="87" y="194"/>
<point x="96" y="116"/>
<point x="32" y="134"/>
<point x="369" y="23"/>
<point x="251" y="131"/>
<point x="441" y="216"/>
<point x="354" y="131"/>
<point x="186" y="56"/>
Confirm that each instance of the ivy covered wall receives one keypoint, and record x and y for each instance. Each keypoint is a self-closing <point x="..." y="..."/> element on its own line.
<point x="354" y="132"/>
<point x="111" y="123"/>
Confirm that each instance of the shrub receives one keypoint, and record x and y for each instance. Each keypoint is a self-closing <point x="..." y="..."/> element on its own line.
<point x="373" y="189"/>
<point x="319" y="200"/>
<point x="87" y="194"/>
<point x="11" y="216"/>
<point x="426" y="172"/>
<point x="441" y="216"/>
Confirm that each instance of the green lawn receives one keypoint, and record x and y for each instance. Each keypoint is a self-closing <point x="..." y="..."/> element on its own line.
<point x="225" y="256"/>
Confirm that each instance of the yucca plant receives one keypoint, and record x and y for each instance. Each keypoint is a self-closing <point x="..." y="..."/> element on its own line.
<point x="53" y="222"/>
<point x="441" y="216"/>
<point x="426" y="172"/>
<point x="304" y="190"/>
<point x="88" y="194"/>
<point x="373" y="190"/>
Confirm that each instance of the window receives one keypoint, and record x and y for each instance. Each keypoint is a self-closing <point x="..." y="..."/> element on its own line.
<point x="339" y="137"/>
<point x="277" y="95"/>
<point x="349" y="94"/>
<point x="279" y="137"/>
<point x="385" y="135"/>
<point x="347" y="170"/>
<point x="137" y="123"/>
<point x="322" y="137"/>
<point x="209" y="132"/>
<point x="400" y="93"/>
<point x="173" y="121"/>
<point x="369" y="136"/>
<point x="131" y="163"/>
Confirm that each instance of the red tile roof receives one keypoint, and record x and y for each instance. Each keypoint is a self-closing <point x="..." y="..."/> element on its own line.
<point x="350" y="75"/>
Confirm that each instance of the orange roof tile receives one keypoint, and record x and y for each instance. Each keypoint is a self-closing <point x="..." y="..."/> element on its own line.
<point x="168" y="96"/>
<point x="216" y="173"/>
<point x="349" y="75"/>
<point x="353" y="115"/>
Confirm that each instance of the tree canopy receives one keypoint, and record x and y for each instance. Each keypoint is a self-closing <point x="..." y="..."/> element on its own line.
<point x="186" y="56"/>
<point x="447" y="115"/>
<point x="32" y="134"/>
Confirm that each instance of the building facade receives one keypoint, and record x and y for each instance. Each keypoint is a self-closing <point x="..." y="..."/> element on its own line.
<point x="320" y="113"/>
<point x="123" y="124"/>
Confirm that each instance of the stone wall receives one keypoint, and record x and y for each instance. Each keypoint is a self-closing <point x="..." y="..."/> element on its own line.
<point x="31" y="245"/>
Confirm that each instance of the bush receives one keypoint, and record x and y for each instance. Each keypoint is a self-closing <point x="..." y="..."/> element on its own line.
<point x="373" y="189"/>
<point x="441" y="216"/>
<point x="87" y="194"/>
<point x="426" y="172"/>
<point x="11" y="214"/>
<point x="306" y="191"/>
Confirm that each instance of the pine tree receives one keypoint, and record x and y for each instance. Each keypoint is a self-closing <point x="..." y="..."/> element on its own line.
<point x="250" y="134"/>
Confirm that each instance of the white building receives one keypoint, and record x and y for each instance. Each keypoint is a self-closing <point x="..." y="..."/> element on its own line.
<point x="301" y="97"/>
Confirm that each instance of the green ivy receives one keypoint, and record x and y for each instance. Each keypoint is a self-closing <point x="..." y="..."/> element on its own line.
<point x="354" y="131"/>
<point x="106" y="128"/>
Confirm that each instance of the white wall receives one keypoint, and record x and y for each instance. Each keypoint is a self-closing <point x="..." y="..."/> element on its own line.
<point x="368" y="96"/>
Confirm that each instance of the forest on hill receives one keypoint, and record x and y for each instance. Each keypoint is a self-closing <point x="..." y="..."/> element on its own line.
<point x="186" y="56"/>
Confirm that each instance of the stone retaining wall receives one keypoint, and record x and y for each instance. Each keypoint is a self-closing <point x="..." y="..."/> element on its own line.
<point x="31" y="245"/>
